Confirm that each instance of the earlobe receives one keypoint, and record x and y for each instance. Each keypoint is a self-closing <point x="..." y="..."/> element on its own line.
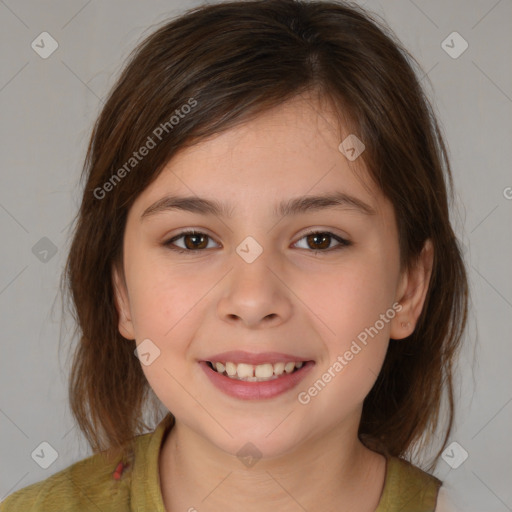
<point x="122" y="304"/>
<point x="412" y="293"/>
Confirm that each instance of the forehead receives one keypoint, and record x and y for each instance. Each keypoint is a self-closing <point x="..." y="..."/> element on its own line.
<point x="289" y="151"/>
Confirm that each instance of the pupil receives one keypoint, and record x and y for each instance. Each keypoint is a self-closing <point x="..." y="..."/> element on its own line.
<point x="321" y="235"/>
<point x="192" y="245"/>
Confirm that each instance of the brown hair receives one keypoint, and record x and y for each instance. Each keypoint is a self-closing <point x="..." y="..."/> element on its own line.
<point x="234" y="61"/>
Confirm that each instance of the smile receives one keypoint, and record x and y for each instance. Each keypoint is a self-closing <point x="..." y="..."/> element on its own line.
<point x="255" y="382"/>
<point x="255" y="373"/>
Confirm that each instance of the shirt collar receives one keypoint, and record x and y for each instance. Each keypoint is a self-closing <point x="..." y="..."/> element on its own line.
<point x="145" y="489"/>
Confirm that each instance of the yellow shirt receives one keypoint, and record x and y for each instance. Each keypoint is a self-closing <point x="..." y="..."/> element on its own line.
<point x="91" y="484"/>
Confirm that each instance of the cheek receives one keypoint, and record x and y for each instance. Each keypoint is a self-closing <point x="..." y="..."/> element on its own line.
<point x="355" y="309"/>
<point x="351" y="298"/>
<point x="166" y="309"/>
<point x="163" y="296"/>
<point x="166" y="317"/>
<point x="356" y="342"/>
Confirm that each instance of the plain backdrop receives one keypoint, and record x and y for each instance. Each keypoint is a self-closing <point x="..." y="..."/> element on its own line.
<point x="48" y="106"/>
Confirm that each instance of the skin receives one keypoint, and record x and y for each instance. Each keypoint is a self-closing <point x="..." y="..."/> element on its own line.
<point x="192" y="306"/>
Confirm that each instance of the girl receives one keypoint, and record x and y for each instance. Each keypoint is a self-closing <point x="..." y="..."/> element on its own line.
<point x="264" y="248"/>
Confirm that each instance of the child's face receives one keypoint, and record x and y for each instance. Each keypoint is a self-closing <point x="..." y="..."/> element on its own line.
<point x="193" y="306"/>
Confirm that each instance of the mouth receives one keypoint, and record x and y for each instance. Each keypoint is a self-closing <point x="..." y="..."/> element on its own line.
<point x="255" y="381"/>
<point x="255" y="373"/>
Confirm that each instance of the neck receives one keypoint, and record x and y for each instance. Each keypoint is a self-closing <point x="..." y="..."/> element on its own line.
<point x="196" y="475"/>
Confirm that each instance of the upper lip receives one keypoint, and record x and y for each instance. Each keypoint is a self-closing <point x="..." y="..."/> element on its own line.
<point x="239" y="356"/>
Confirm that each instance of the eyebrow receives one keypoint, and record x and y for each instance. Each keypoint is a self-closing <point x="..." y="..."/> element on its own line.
<point x="294" y="206"/>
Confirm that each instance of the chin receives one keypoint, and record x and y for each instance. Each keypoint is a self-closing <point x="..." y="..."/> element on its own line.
<point x="257" y="441"/>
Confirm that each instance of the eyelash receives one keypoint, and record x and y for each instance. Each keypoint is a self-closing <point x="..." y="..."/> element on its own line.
<point x="342" y="242"/>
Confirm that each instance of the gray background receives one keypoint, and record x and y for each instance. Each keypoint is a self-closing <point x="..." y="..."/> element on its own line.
<point x="48" y="108"/>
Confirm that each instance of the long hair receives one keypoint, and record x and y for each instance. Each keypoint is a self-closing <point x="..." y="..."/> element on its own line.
<point x="217" y="66"/>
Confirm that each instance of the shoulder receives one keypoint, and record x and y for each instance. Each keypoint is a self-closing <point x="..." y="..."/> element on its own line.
<point x="86" y="485"/>
<point x="408" y="487"/>
<point x="97" y="483"/>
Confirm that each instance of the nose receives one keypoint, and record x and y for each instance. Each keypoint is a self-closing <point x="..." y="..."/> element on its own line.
<point x="255" y="296"/>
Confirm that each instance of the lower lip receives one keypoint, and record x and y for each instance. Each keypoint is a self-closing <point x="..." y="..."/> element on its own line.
<point x="256" y="390"/>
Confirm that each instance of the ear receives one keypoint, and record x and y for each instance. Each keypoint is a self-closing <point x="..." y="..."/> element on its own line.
<point x="122" y="304"/>
<point x="411" y="293"/>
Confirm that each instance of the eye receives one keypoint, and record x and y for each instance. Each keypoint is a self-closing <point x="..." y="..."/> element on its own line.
<point x="322" y="240"/>
<point x="194" y="241"/>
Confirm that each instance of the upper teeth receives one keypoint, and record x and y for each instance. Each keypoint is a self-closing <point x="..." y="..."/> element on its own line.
<point x="256" y="372"/>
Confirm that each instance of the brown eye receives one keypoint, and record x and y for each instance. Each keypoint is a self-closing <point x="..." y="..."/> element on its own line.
<point x="195" y="241"/>
<point x="192" y="240"/>
<point x="320" y="241"/>
<point x="316" y="241"/>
